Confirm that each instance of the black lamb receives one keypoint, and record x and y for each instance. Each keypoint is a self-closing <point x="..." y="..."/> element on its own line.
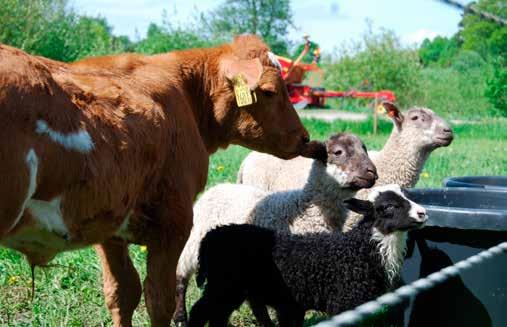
<point x="294" y="273"/>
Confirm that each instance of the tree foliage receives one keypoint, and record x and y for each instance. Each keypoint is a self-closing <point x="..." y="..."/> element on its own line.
<point x="165" y="38"/>
<point x="440" y="50"/>
<point x="485" y="37"/>
<point x="49" y="28"/>
<point x="377" y="62"/>
<point x="271" y="19"/>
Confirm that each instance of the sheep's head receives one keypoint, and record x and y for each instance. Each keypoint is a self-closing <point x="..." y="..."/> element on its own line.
<point x="421" y="127"/>
<point x="347" y="160"/>
<point x="390" y="210"/>
<point x="392" y="215"/>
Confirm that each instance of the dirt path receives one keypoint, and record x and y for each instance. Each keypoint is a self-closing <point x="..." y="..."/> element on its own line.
<point x="331" y="115"/>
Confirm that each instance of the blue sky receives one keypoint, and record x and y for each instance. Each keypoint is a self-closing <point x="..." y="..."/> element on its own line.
<point x="328" y="22"/>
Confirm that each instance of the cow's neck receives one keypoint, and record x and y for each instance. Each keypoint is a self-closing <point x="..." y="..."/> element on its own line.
<point x="196" y="73"/>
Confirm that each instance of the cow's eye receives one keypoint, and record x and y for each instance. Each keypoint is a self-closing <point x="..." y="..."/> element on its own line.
<point x="268" y="93"/>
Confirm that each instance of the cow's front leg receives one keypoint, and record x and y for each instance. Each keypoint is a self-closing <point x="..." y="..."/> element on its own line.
<point x="122" y="286"/>
<point x="163" y="253"/>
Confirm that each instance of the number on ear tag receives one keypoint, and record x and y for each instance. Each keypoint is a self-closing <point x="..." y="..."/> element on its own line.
<point x="242" y="92"/>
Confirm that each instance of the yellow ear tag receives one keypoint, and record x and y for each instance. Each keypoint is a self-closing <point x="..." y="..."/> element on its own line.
<point x="242" y="92"/>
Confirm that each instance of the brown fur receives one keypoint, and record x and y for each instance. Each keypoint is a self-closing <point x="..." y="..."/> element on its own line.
<point x="154" y="121"/>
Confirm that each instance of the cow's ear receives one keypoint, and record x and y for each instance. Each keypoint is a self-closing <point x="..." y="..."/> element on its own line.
<point x="249" y="69"/>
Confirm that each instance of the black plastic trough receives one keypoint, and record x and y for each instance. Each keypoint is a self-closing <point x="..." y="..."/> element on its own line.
<point x="486" y="182"/>
<point x="462" y="222"/>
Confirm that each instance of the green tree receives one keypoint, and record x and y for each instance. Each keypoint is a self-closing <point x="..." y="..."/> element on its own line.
<point x="440" y="50"/>
<point x="496" y="90"/>
<point x="377" y="62"/>
<point x="50" y="29"/>
<point x="165" y="38"/>
<point x="271" y="19"/>
<point x="483" y="36"/>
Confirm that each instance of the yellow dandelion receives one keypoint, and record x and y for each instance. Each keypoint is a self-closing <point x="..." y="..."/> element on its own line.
<point x="13" y="280"/>
<point x="220" y="168"/>
<point x="380" y="109"/>
<point x="143" y="248"/>
<point x="425" y="174"/>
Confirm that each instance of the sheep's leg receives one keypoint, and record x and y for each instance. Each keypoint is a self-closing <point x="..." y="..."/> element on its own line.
<point x="122" y="287"/>
<point x="200" y="312"/>
<point x="260" y="312"/>
<point x="180" y="313"/>
<point x="290" y="315"/>
<point x="175" y="221"/>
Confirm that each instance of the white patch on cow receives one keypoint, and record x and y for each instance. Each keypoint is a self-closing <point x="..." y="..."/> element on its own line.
<point x="274" y="60"/>
<point x="392" y="249"/>
<point x="337" y="174"/>
<point x="33" y="164"/>
<point x="48" y="215"/>
<point x="123" y="231"/>
<point x="79" y="141"/>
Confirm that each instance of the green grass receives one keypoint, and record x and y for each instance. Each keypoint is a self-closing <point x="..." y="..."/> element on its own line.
<point x="69" y="294"/>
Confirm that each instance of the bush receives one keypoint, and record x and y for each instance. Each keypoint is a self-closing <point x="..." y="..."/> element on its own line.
<point x="467" y="60"/>
<point x="166" y="38"/>
<point x="377" y="62"/>
<point x="440" y="50"/>
<point x="456" y="94"/>
<point x="496" y="90"/>
<point x="50" y="29"/>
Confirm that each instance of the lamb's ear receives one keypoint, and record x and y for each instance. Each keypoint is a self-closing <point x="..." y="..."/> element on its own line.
<point x="361" y="207"/>
<point x="394" y="113"/>
<point x="250" y="69"/>
<point x="315" y="150"/>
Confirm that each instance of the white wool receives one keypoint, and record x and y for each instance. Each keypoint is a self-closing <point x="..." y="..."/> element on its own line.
<point x="392" y="248"/>
<point x="310" y="209"/>
<point x="400" y="161"/>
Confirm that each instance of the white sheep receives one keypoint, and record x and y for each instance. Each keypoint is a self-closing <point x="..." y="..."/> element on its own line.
<point x="345" y="169"/>
<point x="416" y="133"/>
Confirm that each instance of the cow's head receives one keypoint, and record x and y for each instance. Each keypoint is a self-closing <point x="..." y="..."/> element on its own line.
<point x="270" y="123"/>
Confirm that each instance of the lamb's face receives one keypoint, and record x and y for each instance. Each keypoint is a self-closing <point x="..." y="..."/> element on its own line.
<point x="434" y="130"/>
<point x="393" y="211"/>
<point x="348" y="162"/>
<point x="420" y="128"/>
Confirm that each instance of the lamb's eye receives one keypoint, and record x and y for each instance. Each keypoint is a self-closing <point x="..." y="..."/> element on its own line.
<point x="415" y="117"/>
<point x="338" y="152"/>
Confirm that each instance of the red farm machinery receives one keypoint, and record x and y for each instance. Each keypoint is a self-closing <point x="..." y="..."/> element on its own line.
<point x="305" y="91"/>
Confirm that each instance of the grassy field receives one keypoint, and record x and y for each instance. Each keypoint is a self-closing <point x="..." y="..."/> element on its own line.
<point x="69" y="293"/>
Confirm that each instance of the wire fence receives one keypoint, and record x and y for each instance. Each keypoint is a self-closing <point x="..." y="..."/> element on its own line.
<point x="354" y="316"/>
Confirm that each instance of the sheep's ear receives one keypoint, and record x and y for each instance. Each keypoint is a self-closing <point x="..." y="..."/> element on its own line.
<point x="315" y="150"/>
<point x="361" y="207"/>
<point x="394" y="113"/>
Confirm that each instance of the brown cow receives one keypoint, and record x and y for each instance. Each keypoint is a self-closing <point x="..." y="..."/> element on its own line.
<point x="115" y="149"/>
